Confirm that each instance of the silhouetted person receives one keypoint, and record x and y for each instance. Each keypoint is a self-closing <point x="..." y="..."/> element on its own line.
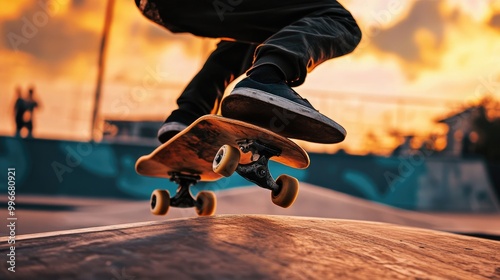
<point x="19" y="110"/>
<point x="24" y="109"/>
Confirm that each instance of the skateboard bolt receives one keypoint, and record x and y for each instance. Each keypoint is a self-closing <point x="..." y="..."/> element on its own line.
<point x="262" y="173"/>
<point x="218" y="158"/>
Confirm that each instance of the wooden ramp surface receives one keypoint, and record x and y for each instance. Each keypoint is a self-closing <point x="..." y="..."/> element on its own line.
<point x="255" y="247"/>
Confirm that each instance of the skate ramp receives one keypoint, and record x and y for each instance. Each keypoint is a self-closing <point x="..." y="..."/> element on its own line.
<point x="254" y="247"/>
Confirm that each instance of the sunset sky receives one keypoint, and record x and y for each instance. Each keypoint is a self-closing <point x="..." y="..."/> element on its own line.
<point x="419" y="60"/>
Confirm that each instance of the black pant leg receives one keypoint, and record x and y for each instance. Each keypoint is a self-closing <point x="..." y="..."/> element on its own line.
<point x="296" y="35"/>
<point x="301" y="46"/>
<point x="205" y="91"/>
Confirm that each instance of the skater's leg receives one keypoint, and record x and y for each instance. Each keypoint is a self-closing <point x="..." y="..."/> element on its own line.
<point x="203" y="94"/>
<point x="295" y="35"/>
<point x="301" y="46"/>
<point x="266" y="98"/>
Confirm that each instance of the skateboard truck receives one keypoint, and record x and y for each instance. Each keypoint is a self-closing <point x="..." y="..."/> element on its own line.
<point x="205" y="202"/>
<point x="227" y="160"/>
<point x="258" y="170"/>
<point x="183" y="197"/>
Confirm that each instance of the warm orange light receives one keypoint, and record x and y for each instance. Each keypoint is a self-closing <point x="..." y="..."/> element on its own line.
<point x="473" y="137"/>
<point x="374" y="89"/>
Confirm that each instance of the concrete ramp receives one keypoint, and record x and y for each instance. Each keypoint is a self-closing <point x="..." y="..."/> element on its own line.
<point x="254" y="247"/>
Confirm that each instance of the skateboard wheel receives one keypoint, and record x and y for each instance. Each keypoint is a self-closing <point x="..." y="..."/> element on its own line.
<point x="206" y="203"/>
<point x="289" y="189"/>
<point x="226" y="160"/>
<point x="160" y="201"/>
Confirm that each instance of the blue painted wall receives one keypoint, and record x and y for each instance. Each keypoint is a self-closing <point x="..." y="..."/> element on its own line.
<point x="419" y="182"/>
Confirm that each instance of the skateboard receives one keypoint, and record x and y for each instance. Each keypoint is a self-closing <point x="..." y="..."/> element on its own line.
<point x="214" y="147"/>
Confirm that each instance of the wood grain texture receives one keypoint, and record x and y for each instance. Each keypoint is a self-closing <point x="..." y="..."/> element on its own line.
<point x="193" y="150"/>
<point x="257" y="247"/>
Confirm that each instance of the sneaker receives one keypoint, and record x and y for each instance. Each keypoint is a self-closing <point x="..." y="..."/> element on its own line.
<point x="169" y="130"/>
<point x="280" y="109"/>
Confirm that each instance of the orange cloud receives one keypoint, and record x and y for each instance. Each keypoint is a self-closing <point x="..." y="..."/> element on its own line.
<point x="495" y="21"/>
<point x="423" y="28"/>
<point x="433" y="42"/>
<point x="425" y="38"/>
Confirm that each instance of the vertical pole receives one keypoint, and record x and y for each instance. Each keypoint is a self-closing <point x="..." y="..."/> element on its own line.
<point x="100" y="70"/>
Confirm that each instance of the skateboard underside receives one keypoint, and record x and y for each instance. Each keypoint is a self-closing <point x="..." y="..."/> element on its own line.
<point x="213" y="147"/>
<point x="193" y="150"/>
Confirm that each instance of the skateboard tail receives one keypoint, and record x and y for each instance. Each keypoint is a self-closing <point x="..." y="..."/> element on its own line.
<point x="154" y="168"/>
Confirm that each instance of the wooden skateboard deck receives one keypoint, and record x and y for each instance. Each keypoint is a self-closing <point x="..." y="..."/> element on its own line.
<point x="192" y="151"/>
